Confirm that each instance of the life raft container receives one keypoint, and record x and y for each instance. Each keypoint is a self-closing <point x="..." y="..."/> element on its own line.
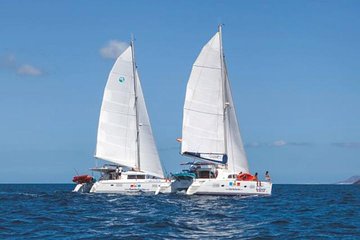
<point x="245" y="177"/>
<point x="82" y="179"/>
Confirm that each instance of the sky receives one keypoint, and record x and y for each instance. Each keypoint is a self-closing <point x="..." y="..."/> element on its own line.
<point x="293" y="65"/>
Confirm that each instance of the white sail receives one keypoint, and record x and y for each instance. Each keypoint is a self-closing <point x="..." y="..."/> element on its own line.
<point x="117" y="130"/>
<point x="203" y="118"/>
<point x="237" y="160"/>
<point x="116" y="137"/>
<point x="149" y="157"/>
<point x="209" y="131"/>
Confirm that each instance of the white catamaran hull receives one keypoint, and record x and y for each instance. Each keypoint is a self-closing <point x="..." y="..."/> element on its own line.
<point x="229" y="187"/>
<point x="123" y="186"/>
<point x="174" y="186"/>
<point x="83" y="187"/>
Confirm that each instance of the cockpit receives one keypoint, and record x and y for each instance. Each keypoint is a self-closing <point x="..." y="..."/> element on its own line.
<point x="202" y="170"/>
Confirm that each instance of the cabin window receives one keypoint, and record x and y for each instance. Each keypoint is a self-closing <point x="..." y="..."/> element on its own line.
<point x="204" y="174"/>
<point x="232" y="176"/>
<point x="136" y="177"/>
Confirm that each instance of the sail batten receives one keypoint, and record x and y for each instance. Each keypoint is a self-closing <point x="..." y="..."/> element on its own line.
<point x="193" y="110"/>
<point x="124" y="121"/>
<point x="206" y="67"/>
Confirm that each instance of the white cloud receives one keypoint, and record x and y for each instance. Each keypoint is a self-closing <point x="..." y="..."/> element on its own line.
<point x="113" y="49"/>
<point x="10" y="62"/>
<point x="300" y="144"/>
<point x="27" y="69"/>
<point x="278" y="143"/>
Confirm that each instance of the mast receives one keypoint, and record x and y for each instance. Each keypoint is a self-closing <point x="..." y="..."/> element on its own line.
<point x="223" y="78"/>
<point x="136" y="99"/>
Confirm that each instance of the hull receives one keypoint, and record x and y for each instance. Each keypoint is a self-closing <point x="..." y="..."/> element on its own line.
<point x="83" y="187"/>
<point x="229" y="187"/>
<point x="174" y="186"/>
<point x="128" y="186"/>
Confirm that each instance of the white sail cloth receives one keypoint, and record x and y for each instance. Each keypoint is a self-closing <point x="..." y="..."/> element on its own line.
<point x="117" y="130"/>
<point x="237" y="160"/>
<point x="209" y="132"/>
<point x="203" y="119"/>
<point x="149" y="156"/>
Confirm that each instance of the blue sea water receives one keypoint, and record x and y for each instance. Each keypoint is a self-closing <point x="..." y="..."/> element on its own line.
<point x="52" y="211"/>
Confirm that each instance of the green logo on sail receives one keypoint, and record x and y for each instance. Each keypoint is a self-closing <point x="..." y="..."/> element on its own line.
<point x="121" y="79"/>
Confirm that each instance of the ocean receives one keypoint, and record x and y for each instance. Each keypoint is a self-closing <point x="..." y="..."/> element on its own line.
<point x="52" y="211"/>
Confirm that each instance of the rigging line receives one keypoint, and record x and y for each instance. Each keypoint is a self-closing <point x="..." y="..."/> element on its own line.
<point x="216" y="114"/>
<point x="207" y="67"/>
<point x="124" y="114"/>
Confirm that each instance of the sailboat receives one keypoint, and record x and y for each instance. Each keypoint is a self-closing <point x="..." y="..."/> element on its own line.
<point x="124" y="137"/>
<point x="211" y="134"/>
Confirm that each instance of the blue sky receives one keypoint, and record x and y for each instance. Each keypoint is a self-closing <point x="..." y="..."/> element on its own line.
<point x="293" y="65"/>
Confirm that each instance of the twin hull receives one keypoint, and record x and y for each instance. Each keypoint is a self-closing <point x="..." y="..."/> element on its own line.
<point x="229" y="187"/>
<point x="123" y="186"/>
<point x="196" y="187"/>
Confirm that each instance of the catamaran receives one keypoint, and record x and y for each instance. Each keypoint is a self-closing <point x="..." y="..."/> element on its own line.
<point x="124" y="136"/>
<point x="210" y="132"/>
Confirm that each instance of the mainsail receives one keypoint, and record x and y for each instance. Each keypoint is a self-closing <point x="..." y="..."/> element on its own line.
<point x="122" y="116"/>
<point x="210" y="127"/>
<point x="203" y="120"/>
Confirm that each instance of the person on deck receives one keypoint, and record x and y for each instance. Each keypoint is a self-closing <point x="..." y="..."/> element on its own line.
<point x="267" y="176"/>
<point x="258" y="183"/>
<point x="256" y="177"/>
<point x="118" y="172"/>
